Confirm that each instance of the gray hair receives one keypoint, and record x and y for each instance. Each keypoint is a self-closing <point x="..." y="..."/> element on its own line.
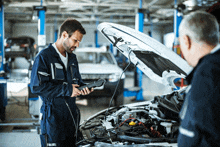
<point x="201" y="27"/>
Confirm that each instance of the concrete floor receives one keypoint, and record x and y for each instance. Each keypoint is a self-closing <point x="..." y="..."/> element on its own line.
<point x="17" y="136"/>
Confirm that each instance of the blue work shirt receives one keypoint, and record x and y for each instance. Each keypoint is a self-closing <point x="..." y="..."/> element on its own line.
<point x="53" y="83"/>
<point x="200" y="113"/>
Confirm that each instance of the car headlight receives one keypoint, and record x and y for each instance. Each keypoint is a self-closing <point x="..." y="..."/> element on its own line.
<point x="115" y="77"/>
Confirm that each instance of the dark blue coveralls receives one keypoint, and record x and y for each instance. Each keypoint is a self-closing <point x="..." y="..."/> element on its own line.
<point x="200" y="113"/>
<point x="53" y="83"/>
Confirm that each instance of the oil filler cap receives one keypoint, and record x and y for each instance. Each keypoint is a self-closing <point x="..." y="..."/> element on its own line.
<point x="132" y="123"/>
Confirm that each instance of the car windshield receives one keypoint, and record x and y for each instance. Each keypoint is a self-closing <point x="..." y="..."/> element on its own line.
<point x="94" y="57"/>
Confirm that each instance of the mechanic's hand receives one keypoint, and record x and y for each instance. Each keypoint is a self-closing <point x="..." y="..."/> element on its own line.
<point x="76" y="91"/>
<point x="86" y="91"/>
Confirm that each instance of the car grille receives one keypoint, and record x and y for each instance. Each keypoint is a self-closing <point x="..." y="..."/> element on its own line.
<point x="95" y="76"/>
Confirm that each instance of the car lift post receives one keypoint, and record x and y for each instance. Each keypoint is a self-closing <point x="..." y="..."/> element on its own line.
<point x="177" y="20"/>
<point x="96" y="33"/>
<point x="178" y="16"/>
<point x="137" y="90"/>
<point x="41" y="36"/>
<point x="111" y="45"/>
<point x="3" y="82"/>
<point x="41" y="26"/>
<point x="55" y="29"/>
<point x="139" y="25"/>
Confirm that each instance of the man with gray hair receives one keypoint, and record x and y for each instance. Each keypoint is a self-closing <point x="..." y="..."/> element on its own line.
<point x="200" y="114"/>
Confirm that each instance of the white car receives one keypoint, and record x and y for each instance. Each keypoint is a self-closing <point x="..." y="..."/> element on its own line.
<point x="99" y="63"/>
<point x="150" y="123"/>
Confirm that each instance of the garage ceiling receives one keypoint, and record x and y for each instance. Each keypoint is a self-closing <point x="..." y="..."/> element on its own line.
<point x="91" y="11"/>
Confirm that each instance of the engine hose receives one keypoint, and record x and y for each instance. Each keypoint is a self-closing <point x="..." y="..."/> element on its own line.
<point x="141" y="140"/>
<point x="145" y="140"/>
<point x="91" y="126"/>
<point x="106" y="112"/>
<point x="75" y="125"/>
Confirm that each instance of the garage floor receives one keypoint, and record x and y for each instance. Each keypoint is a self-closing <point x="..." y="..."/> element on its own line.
<point x="17" y="110"/>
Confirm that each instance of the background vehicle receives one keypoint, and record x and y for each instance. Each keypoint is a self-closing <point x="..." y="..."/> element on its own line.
<point x="19" y="47"/>
<point x="98" y="63"/>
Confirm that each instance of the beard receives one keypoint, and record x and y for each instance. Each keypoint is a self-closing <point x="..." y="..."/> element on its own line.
<point x="67" y="47"/>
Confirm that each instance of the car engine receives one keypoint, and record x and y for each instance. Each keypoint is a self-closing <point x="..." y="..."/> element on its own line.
<point x="154" y="121"/>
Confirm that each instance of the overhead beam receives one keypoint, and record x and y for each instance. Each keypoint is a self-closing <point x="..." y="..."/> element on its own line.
<point x="87" y="20"/>
<point x="75" y="13"/>
<point x="73" y="4"/>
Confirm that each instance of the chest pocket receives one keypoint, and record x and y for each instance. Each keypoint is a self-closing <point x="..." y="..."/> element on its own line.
<point x="57" y="72"/>
<point x="74" y="76"/>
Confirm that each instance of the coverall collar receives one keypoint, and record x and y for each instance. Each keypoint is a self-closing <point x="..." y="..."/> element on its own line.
<point x="215" y="49"/>
<point x="190" y="76"/>
<point x="54" y="53"/>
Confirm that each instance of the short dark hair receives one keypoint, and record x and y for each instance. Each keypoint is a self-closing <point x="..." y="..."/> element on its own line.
<point x="70" y="26"/>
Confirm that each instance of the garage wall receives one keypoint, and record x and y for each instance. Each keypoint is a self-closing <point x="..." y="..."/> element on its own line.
<point x="8" y="29"/>
<point x="30" y="29"/>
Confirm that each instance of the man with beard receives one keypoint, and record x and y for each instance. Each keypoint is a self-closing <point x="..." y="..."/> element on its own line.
<point x="55" y="77"/>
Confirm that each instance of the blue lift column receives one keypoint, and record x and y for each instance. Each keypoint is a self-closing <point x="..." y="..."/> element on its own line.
<point x="111" y="45"/>
<point x="139" y="25"/>
<point x="3" y="83"/>
<point x="55" y="34"/>
<point x="1" y="38"/>
<point x="41" y="45"/>
<point x="41" y="26"/>
<point x="96" y="33"/>
<point x="55" y="29"/>
<point x="178" y="16"/>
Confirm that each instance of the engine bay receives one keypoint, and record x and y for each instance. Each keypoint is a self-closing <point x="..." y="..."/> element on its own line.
<point x="154" y="121"/>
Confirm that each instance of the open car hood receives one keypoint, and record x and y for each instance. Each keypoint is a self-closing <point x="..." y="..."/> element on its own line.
<point x="153" y="58"/>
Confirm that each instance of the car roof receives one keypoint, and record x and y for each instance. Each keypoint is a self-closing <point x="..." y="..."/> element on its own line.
<point x="22" y="38"/>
